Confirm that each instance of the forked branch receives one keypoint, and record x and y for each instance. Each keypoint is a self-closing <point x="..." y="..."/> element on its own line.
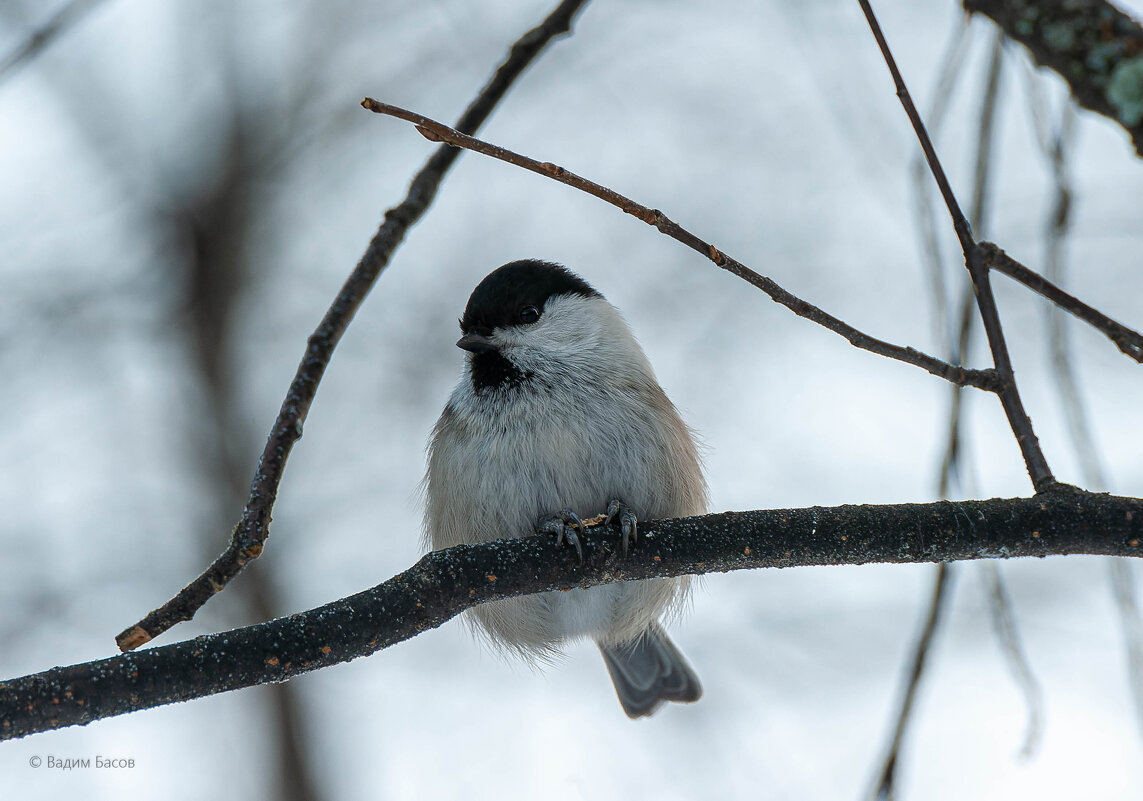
<point x="1009" y="394"/>
<point x="1126" y="339"/>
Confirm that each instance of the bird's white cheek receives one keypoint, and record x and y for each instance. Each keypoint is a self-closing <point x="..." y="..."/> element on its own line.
<point x="552" y="351"/>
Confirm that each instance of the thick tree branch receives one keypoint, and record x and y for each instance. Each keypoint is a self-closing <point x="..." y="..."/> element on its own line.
<point x="251" y="532"/>
<point x="438" y="132"/>
<point x="444" y="583"/>
<point x="1093" y="46"/>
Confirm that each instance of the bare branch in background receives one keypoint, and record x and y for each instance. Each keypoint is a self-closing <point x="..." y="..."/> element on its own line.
<point x="986" y="138"/>
<point x="952" y="465"/>
<point x="1091" y="44"/>
<point x="1062" y="520"/>
<point x="951" y="66"/>
<point x="216" y="259"/>
<point x="1004" y="623"/>
<point x="886" y="782"/>
<point x="66" y="18"/>
<point x="1055" y="142"/>
<point x="1127" y="601"/>
<point x="251" y="532"/>
<point x="431" y="129"/>
<point x="957" y="350"/>
<point x="999" y="601"/>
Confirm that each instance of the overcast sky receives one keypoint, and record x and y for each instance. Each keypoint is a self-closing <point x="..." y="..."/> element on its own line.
<point x="770" y="129"/>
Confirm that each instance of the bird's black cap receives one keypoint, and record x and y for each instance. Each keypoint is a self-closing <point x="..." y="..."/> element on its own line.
<point x="499" y="299"/>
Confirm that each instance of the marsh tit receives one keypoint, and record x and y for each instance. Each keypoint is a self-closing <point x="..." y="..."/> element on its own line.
<point x="558" y="414"/>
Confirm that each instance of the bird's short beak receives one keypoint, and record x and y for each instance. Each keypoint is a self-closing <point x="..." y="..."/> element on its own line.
<point x="475" y="343"/>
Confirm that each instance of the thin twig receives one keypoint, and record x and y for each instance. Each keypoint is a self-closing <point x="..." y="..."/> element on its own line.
<point x="442" y="584"/>
<point x="251" y="532"/>
<point x="438" y="132"/>
<point x="1126" y="339"/>
<point x="65" y="18"/>
<point x="1009" y="394"/>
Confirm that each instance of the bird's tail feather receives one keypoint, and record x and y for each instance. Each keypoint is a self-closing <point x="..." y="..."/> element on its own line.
<point x="649" y="671"/>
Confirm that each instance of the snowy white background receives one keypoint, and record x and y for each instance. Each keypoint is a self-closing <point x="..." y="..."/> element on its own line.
<point x="770" y="129"/>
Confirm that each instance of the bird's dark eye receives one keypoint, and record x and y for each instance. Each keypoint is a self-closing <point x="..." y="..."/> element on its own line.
<point x="529" y="314"/>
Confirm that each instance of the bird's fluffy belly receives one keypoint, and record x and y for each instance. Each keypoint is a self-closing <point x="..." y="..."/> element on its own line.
<point x="580" y="613"/>
<point x="504" y="478"/>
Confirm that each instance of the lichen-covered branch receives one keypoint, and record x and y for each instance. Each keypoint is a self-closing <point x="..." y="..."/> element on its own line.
<point x="444" y="583"/>
<point x="1093" y="45"/>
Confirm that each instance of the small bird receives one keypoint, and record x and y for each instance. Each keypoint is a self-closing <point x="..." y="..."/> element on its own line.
<point x="558" y="414"/>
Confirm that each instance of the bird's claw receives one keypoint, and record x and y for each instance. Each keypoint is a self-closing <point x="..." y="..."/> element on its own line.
<point x="563" y="525"/>
<point x="628" y="523"/>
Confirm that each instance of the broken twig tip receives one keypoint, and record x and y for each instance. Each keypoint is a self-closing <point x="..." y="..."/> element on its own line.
<point x="132" y="638"/>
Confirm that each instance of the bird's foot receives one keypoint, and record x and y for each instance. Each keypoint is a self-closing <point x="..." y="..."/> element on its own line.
<point x="563" y="525"/>
<point x="628" y="523"/>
